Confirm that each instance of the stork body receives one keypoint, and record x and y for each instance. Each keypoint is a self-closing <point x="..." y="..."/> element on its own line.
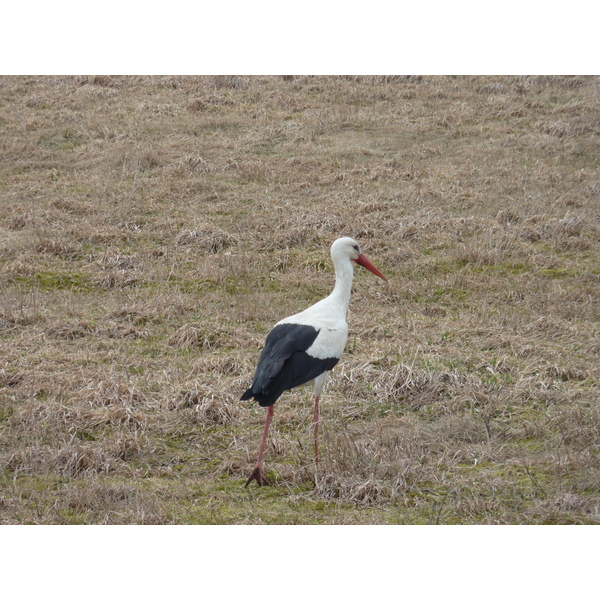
<point x="306" y="346"/>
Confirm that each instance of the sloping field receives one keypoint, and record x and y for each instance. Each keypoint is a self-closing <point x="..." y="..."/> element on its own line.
<point x="153" y="229"/>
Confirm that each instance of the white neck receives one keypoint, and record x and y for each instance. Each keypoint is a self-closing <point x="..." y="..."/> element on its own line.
<point x="344" y="273"/>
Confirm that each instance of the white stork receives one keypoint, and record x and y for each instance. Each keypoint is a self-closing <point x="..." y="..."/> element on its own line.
<point x="306" y="346"/>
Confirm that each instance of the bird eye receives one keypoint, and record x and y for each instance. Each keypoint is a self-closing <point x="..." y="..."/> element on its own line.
<point x="356" y="248"/>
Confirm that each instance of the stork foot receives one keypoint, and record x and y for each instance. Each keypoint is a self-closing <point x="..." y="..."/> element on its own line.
<point x="259" y="476"/>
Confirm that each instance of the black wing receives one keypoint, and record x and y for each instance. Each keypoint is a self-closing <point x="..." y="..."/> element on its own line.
<point x="284" y="364"/>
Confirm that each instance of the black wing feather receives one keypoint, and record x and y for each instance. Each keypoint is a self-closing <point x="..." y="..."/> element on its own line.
<point x="284" y="364"/>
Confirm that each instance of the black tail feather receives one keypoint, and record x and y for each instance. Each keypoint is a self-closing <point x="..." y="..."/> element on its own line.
<point x="262" y="399"/>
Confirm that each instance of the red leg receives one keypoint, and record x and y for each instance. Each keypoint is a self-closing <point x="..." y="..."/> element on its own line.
<point x="315" y="422"/>
<point x="258" y="472"/>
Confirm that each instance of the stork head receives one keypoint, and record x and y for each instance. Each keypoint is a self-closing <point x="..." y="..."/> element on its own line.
<point x="346" y="247"/>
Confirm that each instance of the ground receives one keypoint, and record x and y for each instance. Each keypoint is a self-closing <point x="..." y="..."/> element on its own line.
<point x="153" y="229"/>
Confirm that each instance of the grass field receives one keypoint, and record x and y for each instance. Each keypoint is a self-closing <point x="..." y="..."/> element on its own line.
<point x="153" y="229"/>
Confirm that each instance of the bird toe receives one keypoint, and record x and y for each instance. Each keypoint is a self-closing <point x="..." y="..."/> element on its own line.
<point x="257" y="475"/>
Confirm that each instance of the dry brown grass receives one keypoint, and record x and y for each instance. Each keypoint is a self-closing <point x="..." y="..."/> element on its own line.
<point x="152" y="229"/>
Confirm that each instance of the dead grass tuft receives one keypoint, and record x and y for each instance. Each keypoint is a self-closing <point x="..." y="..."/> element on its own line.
<point x="75" y="460"/>
<point x="211" y="240"/>
<point x="208" y="407"/>
<point x="195" y="335"/>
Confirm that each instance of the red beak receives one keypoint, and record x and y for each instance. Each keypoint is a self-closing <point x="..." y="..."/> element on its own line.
<point x="363" y="261"/>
